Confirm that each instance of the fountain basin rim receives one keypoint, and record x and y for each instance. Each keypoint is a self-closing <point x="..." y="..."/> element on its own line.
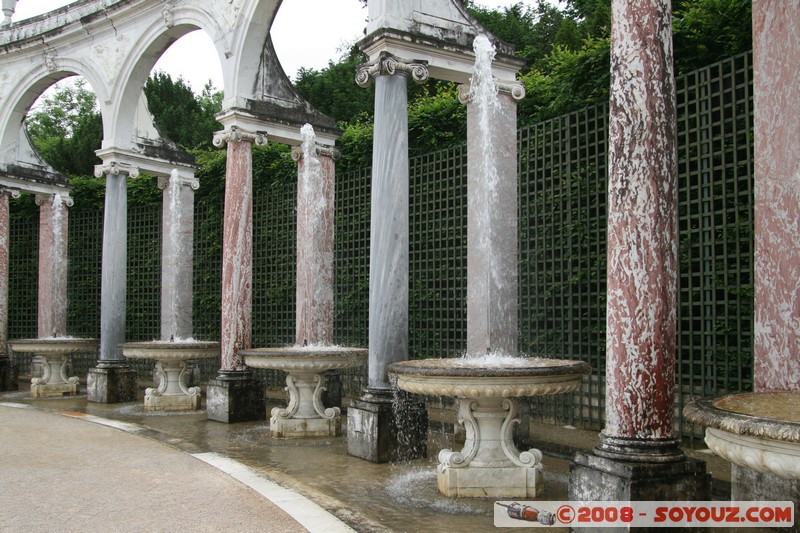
<point x="300" y="359"/>
<point x="305" y="351"/>
<point x="457" y="367"/>
<point x="712" y="414"/>
<point x="475" y="387"/>
<point x="171" y="350"/>
<point x="60" y="345"/>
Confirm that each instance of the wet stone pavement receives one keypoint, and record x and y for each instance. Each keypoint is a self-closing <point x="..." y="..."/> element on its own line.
<point x="368" y="497"/>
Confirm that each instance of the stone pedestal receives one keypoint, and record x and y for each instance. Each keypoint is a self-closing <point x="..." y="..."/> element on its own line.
<point x="235" y="396"/>
<point x="596" y="478"/>
<point x="111" y="382"/>
<point x="54" y="380"/>
<point x="7" y="381"/>
<point x="750" y="485"/>
<point x="305" y="415"/>
<point x="379" y="432"/>
<point x="489" y="464"/>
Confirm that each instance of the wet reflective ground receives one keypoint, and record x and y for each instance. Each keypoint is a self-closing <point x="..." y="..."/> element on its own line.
<point x="369" y="497"/>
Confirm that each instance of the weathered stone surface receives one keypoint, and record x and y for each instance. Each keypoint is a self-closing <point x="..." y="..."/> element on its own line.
<point x="749" y="485"/>
<point x="235" y="397"/>
<point x="776" y="54"/>
<point x="594" y="478"/>
<point x="7" y="378"/>
<point x="111" y="382"/>
<point x="642" y="224"/>
<point x="376" y="433"/>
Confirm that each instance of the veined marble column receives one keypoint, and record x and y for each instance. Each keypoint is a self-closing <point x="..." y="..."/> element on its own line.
<point x="234" y="396"/>
<point x="5" y="360"/>
<point x="776" y="55"/>
<point x="53" y="242"/>
<point x="177" y="260"/>
<point x="370" y="420"/>
<point x="113" y="379"/>
<point x="639" y="442"/>
<point x="492" y="262"/>
<point x="315" y="227"/>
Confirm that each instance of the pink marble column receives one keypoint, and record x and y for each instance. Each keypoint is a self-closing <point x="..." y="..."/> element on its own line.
<point x="642" y="236"/>
<point x="4" y="243"/>
<point x="237" y="248"/>
<point x="776" y="56"/>
<point x="53" y="240"/>
<point x="315" y="227"/>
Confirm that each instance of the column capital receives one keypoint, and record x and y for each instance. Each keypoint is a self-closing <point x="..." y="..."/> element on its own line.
<point x="115" y="169"/>
<point x="320" y="150"/>
<point x="389" y="65"/>
<point x="47" y="198"/>
<point x="163" y="181"/>
<point x="8" y="191"/>
<point x="515" y="88"/>
<point x="236" y="133"/>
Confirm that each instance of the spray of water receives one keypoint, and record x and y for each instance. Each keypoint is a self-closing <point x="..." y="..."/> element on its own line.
<point x="312" y="204"/>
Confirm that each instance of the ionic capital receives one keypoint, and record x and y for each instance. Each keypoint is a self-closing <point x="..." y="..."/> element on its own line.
<point x="516" y="89"/>
<point x="389" y="65"/>
<point x="8" y="191"/>
<point x="47" y="199"/>
<point x="320" y="150"/>
<point x="115" y="169"/>
<point x="237" y="134"/>
<point x="164" y="181"/>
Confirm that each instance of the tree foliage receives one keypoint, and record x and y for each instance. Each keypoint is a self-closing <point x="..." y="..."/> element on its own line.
<point x="66" y="128"/>
<point x="182" y="116"/>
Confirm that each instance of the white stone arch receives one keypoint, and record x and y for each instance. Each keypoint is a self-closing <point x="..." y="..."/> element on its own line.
<point x="14" y="143"/>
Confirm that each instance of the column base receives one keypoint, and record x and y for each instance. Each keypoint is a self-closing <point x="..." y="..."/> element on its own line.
<point x="305" y="427"/>
<point x="501" y="482"/>
<point x="7" y="375"/>
<point x="172" y="402"/>
<point x="596" y="478"/>
<point x="379" y="433"/>
<point x="750" y="485"/>
<point x="235" y="396"/>
<point x="111" y="382"/>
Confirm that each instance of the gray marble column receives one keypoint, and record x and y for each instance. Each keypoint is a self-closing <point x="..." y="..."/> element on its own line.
<point x="373" y="428"/>
<point x="177" y="260"/>
<point x="388" y="263"/>
<point x="113" y="380"/>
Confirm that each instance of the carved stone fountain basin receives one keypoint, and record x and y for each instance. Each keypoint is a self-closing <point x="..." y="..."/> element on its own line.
<point x="172" y="392"/>
<point x="490" y="463"/>
<point x="55" y="353"/>
<point x="757" y="430"/>
<point x="305" y="416"/>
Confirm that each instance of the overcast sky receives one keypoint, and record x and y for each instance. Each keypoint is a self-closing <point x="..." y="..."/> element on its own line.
<point x="306" y="33"/>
